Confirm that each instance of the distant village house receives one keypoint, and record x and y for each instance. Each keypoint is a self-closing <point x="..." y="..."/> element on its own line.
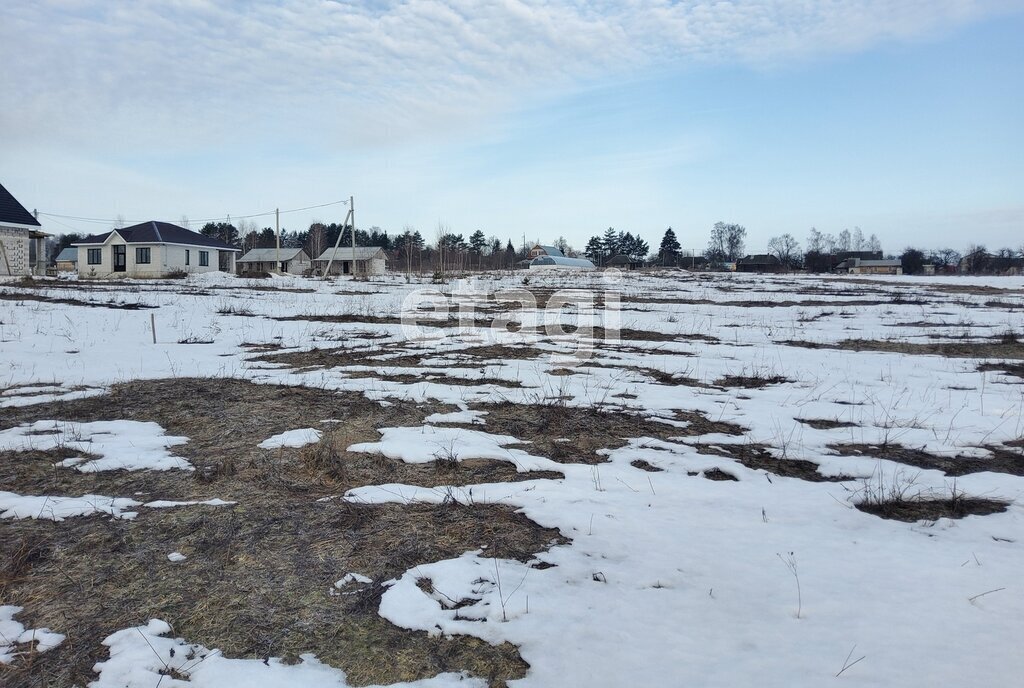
<point x="152" y="249"/>
<point x="67" y="260"/>
<point x="861" y="266"/>
<point x="258" y="261"/>
<point x="362" y="260"/>
<point x="761" y="262"/>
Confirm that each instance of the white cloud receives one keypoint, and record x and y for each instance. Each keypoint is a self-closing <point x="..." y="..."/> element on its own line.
<point x="174" y="76"/>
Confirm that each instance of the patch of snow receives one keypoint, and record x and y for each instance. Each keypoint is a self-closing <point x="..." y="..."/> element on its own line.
<point x="465" y="416"/>
<point x="139" y="655"/>
<point x="292" y="438"/>
<point x="352" y="578"/>
<point x="13" y="633"/>
<point x="120" y="445"/>
<point x="13" y="505"/>
<point x="176" y="557"/>
<point x="166" y="503"/>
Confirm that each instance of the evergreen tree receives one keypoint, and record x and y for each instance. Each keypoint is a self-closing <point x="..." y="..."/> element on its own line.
<point x="669" y="250"/>
<point x="610" y="242"/>
<point x="477" y="242"/>
<point x="595" y="250"/>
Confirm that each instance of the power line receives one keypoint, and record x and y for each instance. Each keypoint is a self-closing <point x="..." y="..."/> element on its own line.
<point x="108" y="220"/>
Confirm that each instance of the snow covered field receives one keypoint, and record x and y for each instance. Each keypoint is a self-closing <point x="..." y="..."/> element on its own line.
<point x="734" y="480"/>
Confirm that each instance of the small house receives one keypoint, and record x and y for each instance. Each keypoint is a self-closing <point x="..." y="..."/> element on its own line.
<point x="761" y="262"/>
<point x="152" y="249"/>
<point x="623" y="262"/>
<point x="361" y="260"/>
<point x="539" y="250"/>
<point x="22" y="243"/>
<point x="289" y="261"/>
<point x="67" y="260"/>
<point x="859" y="266"/>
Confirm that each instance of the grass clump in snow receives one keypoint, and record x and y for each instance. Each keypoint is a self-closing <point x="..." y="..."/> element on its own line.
<point x="901" y="498"/>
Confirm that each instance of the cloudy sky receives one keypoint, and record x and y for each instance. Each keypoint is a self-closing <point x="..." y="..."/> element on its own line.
<point x="543" y="118"/>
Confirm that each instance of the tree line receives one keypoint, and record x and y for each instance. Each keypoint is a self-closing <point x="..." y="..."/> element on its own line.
<point x="409" y="251"/>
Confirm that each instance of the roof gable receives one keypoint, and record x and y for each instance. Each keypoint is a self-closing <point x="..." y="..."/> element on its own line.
<point x="154" y="232"/>
<point x="12" y="212"/>
<point x="345" y="253"/>
<point x="269" y="255"/>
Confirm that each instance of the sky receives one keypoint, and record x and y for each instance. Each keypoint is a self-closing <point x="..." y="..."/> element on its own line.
<point x="526" y="120"/>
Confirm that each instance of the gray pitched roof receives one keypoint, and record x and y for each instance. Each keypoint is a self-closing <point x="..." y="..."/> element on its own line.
<point x="12" y="212"/>
<point x="153" y="232"/>
<point x="269" y="255"/>
<point x="562" y="261"/>
<point x="69" y="254"/>
<point x="551" y="250"/>
<point x="361" y="253"/>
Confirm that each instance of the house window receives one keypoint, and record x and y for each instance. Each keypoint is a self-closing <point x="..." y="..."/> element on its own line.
<point x="188" y="257"/>
<point x="204" y="258"/>
<point x="95" y="256"/>
<point x="142" y="256"/>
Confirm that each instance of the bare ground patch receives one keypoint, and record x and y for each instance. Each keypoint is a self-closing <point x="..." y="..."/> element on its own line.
<point x="932" y="509"/>
<point x="1010" y="349"/>
<point x="1006" y="368"/>
<point x="436" y="378"/>
<point x="31" y="296"/>
<point x="757" y="457"/>
<point x="575" y="434"/>
<point x="258" y="576"/>
<point x="826" y="423"/>
<point x="1000" y="460"/>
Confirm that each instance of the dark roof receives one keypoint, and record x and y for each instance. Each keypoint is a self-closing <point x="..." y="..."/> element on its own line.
<point x="759" y="259"/>
<point x="620" y="259"/>
<point x="13" y="212"/>
<point x="159" y="233"/>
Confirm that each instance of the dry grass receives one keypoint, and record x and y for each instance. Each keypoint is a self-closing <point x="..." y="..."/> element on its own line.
<point x="31" y="296"/>
<point x="1001" y="460"/>
<point x="434" y="377"/>
<point x="571" y="434"/>
<point x="257" y="579"/>
<point x="1005" y="367"/>
<point x="996" y="348"/>
<point x="826" y="423"/>
<point x="757" y="457"/>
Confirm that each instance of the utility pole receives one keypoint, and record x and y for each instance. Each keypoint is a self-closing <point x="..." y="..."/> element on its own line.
<point x="277" y="226"/>
<point x="352" y="212"/>
<point x="337" y="242"/>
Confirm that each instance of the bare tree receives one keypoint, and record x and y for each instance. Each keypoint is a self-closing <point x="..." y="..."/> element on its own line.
<point x="184" y="222"/>
<point x="857" y="240"/>
<point x="785" y="248"/>
<point x="727" y="242"/>
<point x="874" y="244"/>
<point x="317" y="239"/>
<point x="814" y="241"/>
<point x="843" y="240"/>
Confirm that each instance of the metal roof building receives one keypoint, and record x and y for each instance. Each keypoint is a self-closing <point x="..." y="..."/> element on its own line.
<point x="561" y="262"/>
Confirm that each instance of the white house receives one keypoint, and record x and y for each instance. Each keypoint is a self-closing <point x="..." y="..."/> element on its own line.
<point x="294" y="261"/>
<point x="152" y="249"/>
<point x="20" y="239"/>
<point x="860" y="266"/>
<point x="363" y="260"/>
